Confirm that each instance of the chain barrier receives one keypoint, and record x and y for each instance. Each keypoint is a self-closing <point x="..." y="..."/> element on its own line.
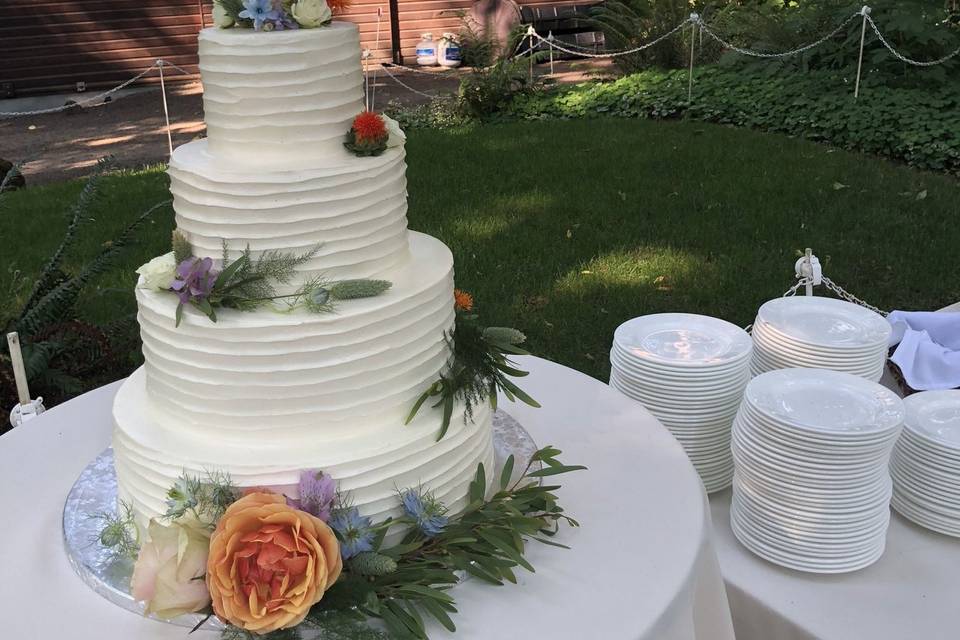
<point x="97" y="98"/>
<point x="408" y="87"/>
<point x="903" y="58"/>
<point x="614" y="54"/>
<point x="784" y="54"/>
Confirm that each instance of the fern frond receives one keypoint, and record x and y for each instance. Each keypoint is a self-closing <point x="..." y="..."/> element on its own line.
<point x="59" y="302"/>
<point x="76" y="215"/>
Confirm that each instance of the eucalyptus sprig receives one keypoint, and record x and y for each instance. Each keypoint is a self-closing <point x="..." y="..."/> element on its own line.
<point x="479" y="369"/>
<point x="488" y="541"/>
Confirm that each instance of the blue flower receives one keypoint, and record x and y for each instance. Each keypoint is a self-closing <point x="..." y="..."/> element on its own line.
<point x="354" y="530"/>
<point x="259" y="11"/>
<point x="428" y="512"/>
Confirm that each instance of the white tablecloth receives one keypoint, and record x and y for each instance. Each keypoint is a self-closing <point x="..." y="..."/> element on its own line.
<point x="641" y="566"/>
<point x="911" y="593"/>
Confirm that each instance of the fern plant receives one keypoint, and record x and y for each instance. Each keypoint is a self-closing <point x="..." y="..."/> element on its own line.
<point x="61" y="352"/>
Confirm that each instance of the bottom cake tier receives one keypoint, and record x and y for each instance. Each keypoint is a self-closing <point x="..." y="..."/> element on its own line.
<point x="151" y="453"/>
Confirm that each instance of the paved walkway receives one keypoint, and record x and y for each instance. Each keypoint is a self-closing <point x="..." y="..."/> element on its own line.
<point x="66" y="145"/>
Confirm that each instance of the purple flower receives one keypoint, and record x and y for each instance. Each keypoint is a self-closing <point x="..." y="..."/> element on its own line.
<point x="195" y="279"/>
<point x="259" y="11"/>
<point x="318" y="491"/>
<point x="285" y="22"/>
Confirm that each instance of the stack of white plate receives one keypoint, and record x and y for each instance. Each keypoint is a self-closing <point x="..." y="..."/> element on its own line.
<point x="689" y="371"/>
<point x="820" y="333"/>
<point x="811" y="490"/>
<point x="926" y="462"/>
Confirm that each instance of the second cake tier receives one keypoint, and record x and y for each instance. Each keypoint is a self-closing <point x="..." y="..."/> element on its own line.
<point x="285" y="375"/>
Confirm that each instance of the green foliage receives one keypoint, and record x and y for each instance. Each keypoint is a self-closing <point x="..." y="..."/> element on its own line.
<point x="233" y="9"/>
<point x="206" y="498"/>
<point x="436" y="114"/>
<point x="919" y="127"/>
<point x="120" y="533"/>
<point x="372" y="564"/>
<point x="484" y="92"/>
<point x="920" y="29"/>
<point x="627" y="24"/>
<point x="479" y="369"/>
<point x="358" y="288"/>
<point x="182" y="249"/>
<point x="59" y="350"/>
<point x="364" y="148"/>
<point x="488" y="541"/>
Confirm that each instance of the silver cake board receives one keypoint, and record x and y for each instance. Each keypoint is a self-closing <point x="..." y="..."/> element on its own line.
<point x="95" y="493"/>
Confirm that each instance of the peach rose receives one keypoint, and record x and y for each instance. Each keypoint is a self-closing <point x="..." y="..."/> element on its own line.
<point x="168" y="575"/>
<point x="269" y="563"/>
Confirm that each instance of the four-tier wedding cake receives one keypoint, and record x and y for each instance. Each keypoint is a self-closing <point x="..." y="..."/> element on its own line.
<point x="261" y="395"/>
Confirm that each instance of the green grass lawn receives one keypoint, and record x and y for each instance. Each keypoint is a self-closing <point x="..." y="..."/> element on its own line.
<point x="566" y="229"/>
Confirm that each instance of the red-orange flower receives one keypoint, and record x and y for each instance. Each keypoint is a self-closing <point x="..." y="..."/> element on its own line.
<point x="462" y="300"/>
<point x="339" y="6"/>
<point x="369" y="127"/>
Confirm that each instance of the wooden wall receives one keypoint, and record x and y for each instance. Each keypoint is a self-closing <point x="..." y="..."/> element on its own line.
<point x="48" y="45"/>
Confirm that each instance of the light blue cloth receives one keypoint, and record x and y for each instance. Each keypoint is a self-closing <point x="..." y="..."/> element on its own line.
<point x="928" y="348"/>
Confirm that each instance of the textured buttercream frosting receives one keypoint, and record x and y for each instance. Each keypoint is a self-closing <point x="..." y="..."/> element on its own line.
<point x="265" y="394"/>
<point x="270" y="96"/>
<point x="353" y="208"/>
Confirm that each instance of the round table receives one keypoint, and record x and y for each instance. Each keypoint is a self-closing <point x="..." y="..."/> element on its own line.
<point x="641" y="566"/>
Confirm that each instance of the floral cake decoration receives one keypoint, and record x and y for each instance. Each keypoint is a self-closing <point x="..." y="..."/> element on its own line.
<point x="278" y="566"/>
<point x="276" y="15"/>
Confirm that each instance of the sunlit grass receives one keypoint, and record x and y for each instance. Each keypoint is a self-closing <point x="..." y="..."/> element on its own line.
<point x="566" y="229"/>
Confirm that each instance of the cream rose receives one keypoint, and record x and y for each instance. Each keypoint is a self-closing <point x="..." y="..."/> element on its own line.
<point x="311" y="14"/>
<point x="397" y="136"/>
<point x="169" y="573"/>
<point x="220" y="16"/>
<point x="158" y="273"/>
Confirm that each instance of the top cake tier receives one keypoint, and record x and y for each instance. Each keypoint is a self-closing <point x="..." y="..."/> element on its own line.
<point x="280" y="95"/>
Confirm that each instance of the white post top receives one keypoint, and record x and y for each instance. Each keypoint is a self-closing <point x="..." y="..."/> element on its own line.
<point x="865" y="11"/>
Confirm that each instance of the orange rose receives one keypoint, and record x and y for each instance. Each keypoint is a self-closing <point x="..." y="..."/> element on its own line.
<point x="269" y="563"/>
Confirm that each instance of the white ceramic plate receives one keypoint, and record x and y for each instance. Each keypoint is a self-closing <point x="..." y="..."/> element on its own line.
<point x="764" y="333"/>
<point x="824" y="322"/>
<point x="683" y="339"/>
<point x="935" y="417"/>
<point x="825" y="402"/>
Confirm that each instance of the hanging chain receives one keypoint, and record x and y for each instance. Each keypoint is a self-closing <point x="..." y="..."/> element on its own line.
<point x="784" y="54"/>
<point x="612" y="54"/>
<point x="903" y="58"/>
<point x="96" y="98"/>
<point x="849" y="297"/>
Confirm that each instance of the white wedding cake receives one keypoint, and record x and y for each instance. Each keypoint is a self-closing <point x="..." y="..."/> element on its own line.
<point x="263" y="395"/>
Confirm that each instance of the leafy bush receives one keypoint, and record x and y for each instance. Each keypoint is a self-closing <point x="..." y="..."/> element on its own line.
<point x="919" y="127"/>
<point x="920" y="29"/>
<point x="485" y="92"/>
<point x="436" y="114"/>
<point x="630" y="23"/>
<point x="63" y="354"/>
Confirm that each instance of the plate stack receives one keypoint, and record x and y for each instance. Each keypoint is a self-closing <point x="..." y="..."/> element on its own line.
<point x="926" y="462"/>
<point x="812" y="490"/>
<point x="689" y="371"/>
<point x="820" y="333"/>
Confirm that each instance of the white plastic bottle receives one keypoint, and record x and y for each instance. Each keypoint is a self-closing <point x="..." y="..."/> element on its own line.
<point x="448" y="51"/>
<point x="426" y="51"/>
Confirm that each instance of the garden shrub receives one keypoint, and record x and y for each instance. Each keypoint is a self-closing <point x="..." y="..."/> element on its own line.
<point x="918" y="126"/>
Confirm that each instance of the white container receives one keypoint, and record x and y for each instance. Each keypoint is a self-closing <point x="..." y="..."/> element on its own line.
<point x="426" y="51"/>
<point x="448" y="51"/>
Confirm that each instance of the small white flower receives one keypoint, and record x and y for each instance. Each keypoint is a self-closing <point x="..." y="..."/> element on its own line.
<point x="397" y="136"/>
<point x="220" y="16"/>
<point x="159" y="273"/>
<point x="311" y="14"/>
